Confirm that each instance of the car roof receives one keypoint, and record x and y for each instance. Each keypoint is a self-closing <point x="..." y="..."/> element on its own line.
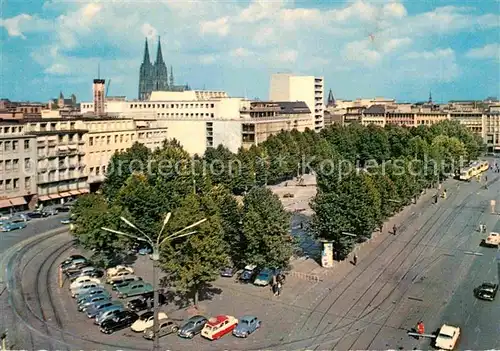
<point x="196" y="318"/>
<point x="217" y="320"/>
<point x="447" y="330"/>
<point x="250" y="267"/>
<point x="147" y="314"/>
<point x="247" y="317"/>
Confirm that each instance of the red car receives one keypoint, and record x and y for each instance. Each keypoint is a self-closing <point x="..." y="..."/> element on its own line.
<point x="218" y="326"/>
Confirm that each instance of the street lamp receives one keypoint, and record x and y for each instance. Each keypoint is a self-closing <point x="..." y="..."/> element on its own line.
<point x="155" y="246"/>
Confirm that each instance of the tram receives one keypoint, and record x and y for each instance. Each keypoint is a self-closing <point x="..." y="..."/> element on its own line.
<point x="474" y="170"/>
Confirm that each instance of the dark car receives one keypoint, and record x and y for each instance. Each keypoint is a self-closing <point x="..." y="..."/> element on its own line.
<point x="228" y="272"/>
<point x="192" y="326"/>
<point x="486" y="291"/>
<point x="63" y="209"/>
<point x="248" y="273"/>
<point x="36" y="214"/>
<point x="50" y="212"/>
<point x="143" y="303"/>
<point x="119" y="321"/>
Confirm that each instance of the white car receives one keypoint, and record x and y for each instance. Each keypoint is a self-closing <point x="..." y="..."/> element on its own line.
<point x="448" y="337"/>
<point x="84" y="288"/>
<point x="113" y="271"/>
<point x="81" y="280"/>
<point x="146" y="320"/>
<point x="492" y="240"/>
<point x="119" y="276"/>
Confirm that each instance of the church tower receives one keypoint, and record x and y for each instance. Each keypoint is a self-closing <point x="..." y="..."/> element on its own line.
<point x="160" y="72"/>
<point x="145" y="75"/>
<point x="331" y="100"/>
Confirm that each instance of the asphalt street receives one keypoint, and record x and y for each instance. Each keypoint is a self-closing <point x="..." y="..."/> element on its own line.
<point x="426" y="272"/>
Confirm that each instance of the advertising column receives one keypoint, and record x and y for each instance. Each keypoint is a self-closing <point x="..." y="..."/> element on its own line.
<point x="327" y="254"/>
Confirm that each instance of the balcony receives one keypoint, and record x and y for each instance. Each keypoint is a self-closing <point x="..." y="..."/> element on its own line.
<point x="59" y="132"/>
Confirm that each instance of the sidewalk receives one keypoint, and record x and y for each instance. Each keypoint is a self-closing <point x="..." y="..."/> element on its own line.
<point x="309" y="269"/>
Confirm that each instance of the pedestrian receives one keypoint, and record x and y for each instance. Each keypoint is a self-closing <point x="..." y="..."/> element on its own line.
<point x="148" y="303"/>
<point x="355" y="259"/>
<point x="394" y="229"/>
<point x="420" y="328"/>
<point x="278" y="288"/>
<point x="275" y="289"/>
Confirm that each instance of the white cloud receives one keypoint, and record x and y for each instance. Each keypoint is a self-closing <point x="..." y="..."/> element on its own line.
<point x="23" y="23"/>
<point x="436" y="66"/>
<point x="287" y="56"/>
<point x="149" y="31"/>
<point x="207" y="59"/>
<point x="259" y="10"/>
<point x="361" y="52"/>
<point x="395" y="9"/>
<point x="240" y="52"/>
<point x="264" y="36"/>
<point x="58" y="69"/>
<point x="219" y="26"/>
<point x="395" y="44"/>
<point x="489" y="51"/>
<point x="430" y="55"/>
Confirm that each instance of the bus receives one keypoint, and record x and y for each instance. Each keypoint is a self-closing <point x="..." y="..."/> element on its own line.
<point x="475" y="169"/>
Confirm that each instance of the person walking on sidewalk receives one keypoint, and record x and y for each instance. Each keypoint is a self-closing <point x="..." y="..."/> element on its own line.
<point x="355" y="259"/>
<point x="420" y="328"/>
<point x="394" y="229"/>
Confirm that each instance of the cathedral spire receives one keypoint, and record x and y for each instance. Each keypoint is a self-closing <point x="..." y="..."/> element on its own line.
<point x="159" y="56"/>
<point x="171" y="76"/>
<point x="146" y="53"/>
<point x="430" y="97"/>
<point x="331" y="99"/>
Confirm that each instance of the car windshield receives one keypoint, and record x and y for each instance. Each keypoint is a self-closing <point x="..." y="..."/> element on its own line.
<point x="444" y="336"/>
<point x="189" y="325"/>
<point x="244" y="321"/>
<point x="264" y="275"/>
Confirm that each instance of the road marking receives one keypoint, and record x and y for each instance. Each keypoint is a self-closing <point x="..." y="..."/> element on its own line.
<point x="467" y="321"/>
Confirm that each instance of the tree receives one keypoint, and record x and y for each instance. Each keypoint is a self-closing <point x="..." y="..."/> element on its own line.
<point x="194" y="261"/>
<point x="91" y="213"/>
<point x="122" y="165"/>
<point x="266" y="230"/>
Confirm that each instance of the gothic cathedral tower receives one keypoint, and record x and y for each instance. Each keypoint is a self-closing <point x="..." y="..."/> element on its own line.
<point x="145" y="75"/>
<point x="160" y="72"/>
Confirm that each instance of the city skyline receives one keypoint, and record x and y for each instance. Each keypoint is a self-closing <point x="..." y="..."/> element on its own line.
<point x="399" y="49"/>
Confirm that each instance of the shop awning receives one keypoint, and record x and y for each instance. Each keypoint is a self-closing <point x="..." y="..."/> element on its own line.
<point x="66" y="194"/>
<point x="54" y="196"/>
<point x="43" y="198"/>
<point x="18" y="201"/>
<point x="84" y="191"/>
<point x="74" y="192"/>
<point x="5" y="203"/>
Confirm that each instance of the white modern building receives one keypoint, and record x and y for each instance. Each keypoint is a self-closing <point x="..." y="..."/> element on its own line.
<point x="200" y="119"/>
<point x="310" y="89"/>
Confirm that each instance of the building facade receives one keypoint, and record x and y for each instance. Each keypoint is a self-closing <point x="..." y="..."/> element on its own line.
<point x="17" y="166"/>
<point x="154" y="76"/>
<point x="310" y="89"/>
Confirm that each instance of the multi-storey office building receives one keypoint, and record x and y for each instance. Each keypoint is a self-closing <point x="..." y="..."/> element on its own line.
<point x="17" y="166"/>
<point x="202" y="119"/>
<point x="491" y="129"/>
<point x="310" y="89"/>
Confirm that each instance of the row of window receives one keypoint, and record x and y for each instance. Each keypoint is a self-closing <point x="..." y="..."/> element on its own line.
<point x="53" y="126"/>
<point x="149" y="105"/>
<point x="13" y="145"/>
<point x="185" y="115"/>
<point x="13" y="165"/>
<point x="14" y="184"/>
<point x="106" y="139"/>
<point x="11" y="130"/>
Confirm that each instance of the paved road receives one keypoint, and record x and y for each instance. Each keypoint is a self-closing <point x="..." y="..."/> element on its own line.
<point x="425" y="272"/>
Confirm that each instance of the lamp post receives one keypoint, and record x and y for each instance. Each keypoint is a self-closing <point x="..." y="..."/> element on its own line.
<point x="155" y="246"/>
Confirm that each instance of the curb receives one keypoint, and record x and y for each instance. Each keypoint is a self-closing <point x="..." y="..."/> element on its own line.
<point x="6" y="255"/>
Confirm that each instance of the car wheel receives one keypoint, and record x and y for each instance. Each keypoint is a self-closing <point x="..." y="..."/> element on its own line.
<point x="246" y="334"/>
<point x="175" y="329"/>
<point x="124" y="296"/>
<point x="191" y="335"/>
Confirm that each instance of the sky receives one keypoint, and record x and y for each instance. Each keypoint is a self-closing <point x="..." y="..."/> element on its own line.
<point x="385" y="48"/>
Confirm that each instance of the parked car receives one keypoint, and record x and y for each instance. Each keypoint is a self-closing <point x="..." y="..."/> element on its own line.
<point x="95" y="291"/>
<point x="166" y="327"/>
<point x="228" y="272"/>
<point x="145" y="321"/>
<point x="88" y="271"/>
<point x="264" y="278"/>
<point x="246" y="326"/>
<point x="192" y="326"/>
<point x="66" y="220"/>
<point x="74" y="264"/>
<point x="84" y="289"/>
<point x="447" y="337"/>
<point x="493" y="240"/>
<point x="118" y="322"/>
<point x="486" y="291"/>
<point x="134" y="289"/>
<point x="111" y="272"/>
<point x="63" y="209"/>
<point x="81" y="281"/>
<point x="218" y="326"/>
<point x="143" y="251"/>
<point x="110" y="312"/>
<point x="49" y="212"/>
<point x="248" y="273"/>
<point x="36" y="214"/>
<point x="118" y="276"/>
<point x="20" y="217"/>
<point x="124" y="281"/>
<point x="91" y="301"/>
<point x="141" y="303"/>
<point x="100" y="307"/>
<point x="90" y="298"/>
<point x="10" y="226"/>
<point x="71" y="258"/>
